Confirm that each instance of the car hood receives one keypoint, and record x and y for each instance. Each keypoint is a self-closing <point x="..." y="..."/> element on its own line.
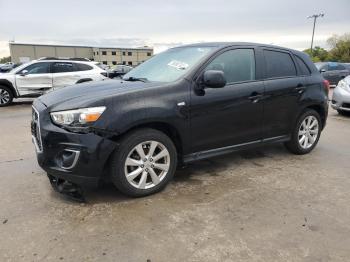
<point x="91" y="93"/>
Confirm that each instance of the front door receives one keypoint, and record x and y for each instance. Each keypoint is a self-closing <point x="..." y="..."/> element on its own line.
<point x="34" y="77"/>
<point x="233" y="114"/>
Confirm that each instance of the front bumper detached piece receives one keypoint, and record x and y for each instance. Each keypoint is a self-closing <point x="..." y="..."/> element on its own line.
<point x="71" y="190"/>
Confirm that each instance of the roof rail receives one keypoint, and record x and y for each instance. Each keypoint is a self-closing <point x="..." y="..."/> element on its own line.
<point x="68" y="58"/>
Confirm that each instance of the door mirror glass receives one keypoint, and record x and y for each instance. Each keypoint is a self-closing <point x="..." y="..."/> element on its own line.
<point x="24" y="72"/>
<point x="323" y="70"/>
<point x="214" y="79"/>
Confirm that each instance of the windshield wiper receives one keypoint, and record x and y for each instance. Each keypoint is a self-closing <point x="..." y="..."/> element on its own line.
<point x="131" y="78"/>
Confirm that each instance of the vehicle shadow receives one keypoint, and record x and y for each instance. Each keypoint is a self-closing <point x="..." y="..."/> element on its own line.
<point x="194" y="173"/>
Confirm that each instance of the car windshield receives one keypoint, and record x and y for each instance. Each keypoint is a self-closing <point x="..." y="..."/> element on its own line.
<point x="169" y="65"/>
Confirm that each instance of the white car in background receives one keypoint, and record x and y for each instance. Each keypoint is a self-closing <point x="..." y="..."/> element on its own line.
<point x="341" y="97"/>
<point x="40" y="76"/>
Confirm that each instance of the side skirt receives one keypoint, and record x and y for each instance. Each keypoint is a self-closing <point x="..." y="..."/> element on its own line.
<point x="229" y="149"/>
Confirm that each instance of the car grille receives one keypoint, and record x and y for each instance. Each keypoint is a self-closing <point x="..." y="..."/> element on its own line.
<point x="35" y="129"/>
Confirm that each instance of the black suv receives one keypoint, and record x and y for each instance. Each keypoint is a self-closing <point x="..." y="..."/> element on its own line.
<point x="188" y="103"/>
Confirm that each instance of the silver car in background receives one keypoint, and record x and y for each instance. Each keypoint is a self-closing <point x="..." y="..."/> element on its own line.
<point x="341" y="96"/>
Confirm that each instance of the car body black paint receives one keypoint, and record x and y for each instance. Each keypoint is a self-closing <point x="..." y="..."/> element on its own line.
<point x="206" y="123"/>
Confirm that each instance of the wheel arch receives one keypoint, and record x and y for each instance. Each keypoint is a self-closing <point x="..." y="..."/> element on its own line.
<point x="4" y="82"/>
<point x="320" y="110"/>
<point x="163" y="127"/>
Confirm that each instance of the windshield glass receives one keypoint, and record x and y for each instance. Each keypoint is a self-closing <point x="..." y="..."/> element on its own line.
<point x="169" y="65"/>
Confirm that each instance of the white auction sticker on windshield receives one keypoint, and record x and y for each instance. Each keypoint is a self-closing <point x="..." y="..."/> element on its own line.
<point x="178" y="65"/>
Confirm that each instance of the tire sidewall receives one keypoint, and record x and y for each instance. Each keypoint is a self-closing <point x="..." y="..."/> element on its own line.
<point x="296" y="130"/>
<point x="126" y="145"/>
<point x="11" y="96"/>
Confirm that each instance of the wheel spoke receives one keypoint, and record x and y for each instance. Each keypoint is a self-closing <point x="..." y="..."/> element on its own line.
<point x="131" y="176"/>
<point x="140" y="151"/>
<point x="302" y="139"/>
<point x="143" y="179"/>
<point x="163" y="167"/>
<point x="161" y="154"/>
<point x="154" y="176"/>
<point x="153" y="147"/>
<point x="133" y="162"/>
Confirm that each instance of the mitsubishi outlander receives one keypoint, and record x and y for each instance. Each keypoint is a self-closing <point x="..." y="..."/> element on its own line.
<point x="187" y="103"/>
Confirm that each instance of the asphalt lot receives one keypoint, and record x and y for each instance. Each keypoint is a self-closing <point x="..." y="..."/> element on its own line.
<point x="259" y="205"/>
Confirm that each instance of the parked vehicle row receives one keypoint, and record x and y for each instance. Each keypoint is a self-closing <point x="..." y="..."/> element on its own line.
<point x="7" y="67"/>
<point x="185" y="104"/>
<point x="333" y="71"/>
<point x="41" y="76"/>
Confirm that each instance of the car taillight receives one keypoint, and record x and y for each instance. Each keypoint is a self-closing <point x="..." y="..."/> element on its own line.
<point x="326" y="86"/>
<point x="104" y="74"/>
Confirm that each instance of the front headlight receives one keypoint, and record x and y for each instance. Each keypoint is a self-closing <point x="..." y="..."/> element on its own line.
<point x="78" y="117"/>
<point x="343" y="84"/>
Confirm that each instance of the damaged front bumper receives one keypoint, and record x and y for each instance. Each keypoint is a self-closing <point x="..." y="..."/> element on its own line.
<point x="72" y="160"/>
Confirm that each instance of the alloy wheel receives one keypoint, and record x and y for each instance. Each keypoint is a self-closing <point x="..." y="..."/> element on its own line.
<point x="308" y="132"/>
<point x="4" y="96"/>
<point x="147" y="164"/>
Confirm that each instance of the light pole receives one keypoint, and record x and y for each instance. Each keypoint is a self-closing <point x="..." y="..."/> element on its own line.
<point x="315" y="16"/>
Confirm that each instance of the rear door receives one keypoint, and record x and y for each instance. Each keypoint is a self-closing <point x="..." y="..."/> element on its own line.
<point x="64" y="74"/>
<point x="36" y="76"/>
<point x="283" y="89"/>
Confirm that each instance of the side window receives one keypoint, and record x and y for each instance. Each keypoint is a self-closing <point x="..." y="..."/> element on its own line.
<point x="83" y="67"/>
<point x="304" y="70"/>
<point x="335" y="66"/>
<point x="238" y="65"/>
<point x="62" y="67"/>
<point x="37" y="68"/>
<point x="279" y="64"/>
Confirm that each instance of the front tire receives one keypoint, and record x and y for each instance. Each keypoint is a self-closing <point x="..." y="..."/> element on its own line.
<point x="144" y="162"/>
<point x="6" y="96"/>
<point x="306" y="133"/>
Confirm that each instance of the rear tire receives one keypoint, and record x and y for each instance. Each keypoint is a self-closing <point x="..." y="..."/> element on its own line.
<point x="6" y="96"/>
<point x="144" y="162"/>
<point x="306" y="133"/>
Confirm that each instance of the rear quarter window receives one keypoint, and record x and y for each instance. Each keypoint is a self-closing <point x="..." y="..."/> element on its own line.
<point x="83" y="67"/>
<point x="303" y="68"/>
<point x="279" y="64"/>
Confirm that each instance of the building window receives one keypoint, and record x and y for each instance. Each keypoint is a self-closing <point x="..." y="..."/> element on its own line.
<point x="114" y="62"/>
<point x="114" y="53"/>
<point x="94" y="52"/>
<point x="104" y="52"/>
<point x="123" y="53"/>
<point x="149" y="53"/>
<point x="124" y="63"/>
<point x="130" y="63"/>
<point x="97" y="53"/>
<point x="104" y="62"/>
<point x="129" y="53"/>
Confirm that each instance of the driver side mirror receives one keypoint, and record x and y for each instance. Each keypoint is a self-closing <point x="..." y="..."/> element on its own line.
<point x="24" y="72"/>
<point x="322" y="70"/>
<point x="214" y="79"/>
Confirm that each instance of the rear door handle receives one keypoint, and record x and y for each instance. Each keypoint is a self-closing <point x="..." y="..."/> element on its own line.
<point x="255" y="96"/>
<point x="300" y="88"/>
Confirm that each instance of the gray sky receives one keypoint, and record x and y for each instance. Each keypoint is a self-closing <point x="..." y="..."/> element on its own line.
<point x="162" y="23"/>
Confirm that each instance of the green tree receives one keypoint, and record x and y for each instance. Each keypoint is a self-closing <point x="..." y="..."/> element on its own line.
<point x="5" y="59"/>
<point x="319" y="54"/>
<point x="340" y="48"/>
